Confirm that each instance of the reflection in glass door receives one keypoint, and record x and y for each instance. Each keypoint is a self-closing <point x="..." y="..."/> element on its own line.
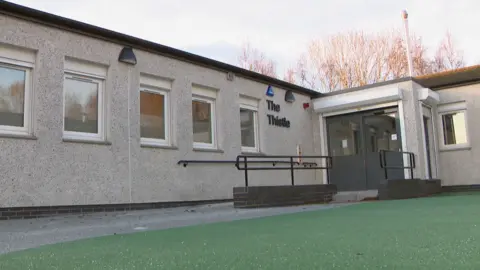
<point x="383" y="129"/>
<point x="355" y="142"/>
<point x="346" y="149"/>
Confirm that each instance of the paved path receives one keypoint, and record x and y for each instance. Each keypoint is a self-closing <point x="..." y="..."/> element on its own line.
<point x="23" y="234"/>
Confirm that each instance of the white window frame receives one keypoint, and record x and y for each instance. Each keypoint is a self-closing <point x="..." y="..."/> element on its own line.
<point x="26" y="130"/>
<point x="211" y="101"/>
<point x="166" y="117"/>
<point x="83" y="136"/>
<point x="459" y="107"/>
<point x="256" y="148"/>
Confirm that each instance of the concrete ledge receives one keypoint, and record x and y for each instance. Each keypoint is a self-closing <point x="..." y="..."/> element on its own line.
<point x="86" y="141"/>
<point x="408" y="188"/>
<point x="14" y="136"/>
<point x="155" y="146"/>
<point x="208" y="150"/>
<point x="49" y="211"/>
<point x="355" y="196"/>
<point x="461" y="188"/>
<point x="270" y="196"/>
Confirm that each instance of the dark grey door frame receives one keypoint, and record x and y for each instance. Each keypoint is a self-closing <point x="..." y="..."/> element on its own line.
<point x="429" y="142"/>
<point x="367" y="159"/>
<point x="427" y="146"/>
<point x="344" y="179"/>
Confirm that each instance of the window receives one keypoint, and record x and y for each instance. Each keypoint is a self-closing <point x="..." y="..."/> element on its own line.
<point x="13" y="84"/>
<point x="454" y="131"/>
<point x="453" y="120"/>
<point x="154" y="117"/>
<point x="249" y="125"/>
<point x="154" y="110"/>
<point x="203" y="124"/>
<point x="15" y="89"/>
<point x="83" y="104"/>
<point x="203" y="117"/>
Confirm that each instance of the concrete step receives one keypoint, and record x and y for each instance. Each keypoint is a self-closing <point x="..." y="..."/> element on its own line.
<point x="354" y="196"/>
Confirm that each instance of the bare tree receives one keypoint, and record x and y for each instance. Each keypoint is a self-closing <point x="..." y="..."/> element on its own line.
<point x="12" y="98"/>
<point x="255" y="60"/>
<point x="396" y="62"/>
<point x="447" y="57"/>
<point x="289" y="75"/>
<point x="355" y="59"/>
<point x="343" y="61"/>
<point x="73" y="107"/>
<point x="91" y="109"/>
<point x="305" y="77"/>
<point x="17" y="93"/>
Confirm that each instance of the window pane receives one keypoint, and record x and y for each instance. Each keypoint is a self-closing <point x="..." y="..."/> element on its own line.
<point x="344" y="137"/>
<point x="202" y="121"/>
<point x="454" y="128"/>
<point x="247" y="124"/>
<point x="12" y="96"/>
<point x="81" y="106"/>
<point x="152" y="115"/>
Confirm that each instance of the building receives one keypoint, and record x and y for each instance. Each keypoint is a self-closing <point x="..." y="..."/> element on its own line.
<point x="93" y="117"/>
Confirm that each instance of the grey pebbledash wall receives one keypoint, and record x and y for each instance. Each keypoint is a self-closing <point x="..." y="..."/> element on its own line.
<point x="45" y="170"/>
<point x="460" y="167"/>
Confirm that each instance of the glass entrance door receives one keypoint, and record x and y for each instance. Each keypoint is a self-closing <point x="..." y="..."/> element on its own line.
<point x="382" y="130"/>
<point x="355" y="142"/>
<point x="346" y="148"/>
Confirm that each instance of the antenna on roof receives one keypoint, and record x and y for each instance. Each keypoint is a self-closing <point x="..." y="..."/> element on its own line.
<point x="407" y="43"/>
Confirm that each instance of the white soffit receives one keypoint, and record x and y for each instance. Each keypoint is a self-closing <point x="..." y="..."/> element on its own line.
<point x="355" y="99"/>
<point x="428" y="96"/>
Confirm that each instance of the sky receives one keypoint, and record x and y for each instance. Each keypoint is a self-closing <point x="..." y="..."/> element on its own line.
<point x="280" y="28"/>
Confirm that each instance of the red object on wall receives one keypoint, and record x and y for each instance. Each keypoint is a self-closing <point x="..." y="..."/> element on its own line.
<point x="306" y="106"/>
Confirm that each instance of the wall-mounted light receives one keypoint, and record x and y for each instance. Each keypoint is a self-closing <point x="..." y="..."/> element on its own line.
<point x="269" y="91"/>
<point x="289" y="97"/>
<point x="127" y="56"/>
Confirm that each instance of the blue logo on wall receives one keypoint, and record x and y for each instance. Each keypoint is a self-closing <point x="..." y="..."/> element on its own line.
<point x="269" y="91"/>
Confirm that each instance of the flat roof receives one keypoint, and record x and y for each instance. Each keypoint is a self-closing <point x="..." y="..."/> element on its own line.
<point x="450" y="78"/>
<point x="368" y="86"/>
<point x="63" y="23"/>
<point x="434" y="81"/>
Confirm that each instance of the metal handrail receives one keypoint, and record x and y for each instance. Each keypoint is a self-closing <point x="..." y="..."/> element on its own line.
<point x="291" y="162"/>
<point x="385" y="167"/>
<point x="272" y="159"/>
<point x="186" y="162"/>
<point x="274" y="162"/>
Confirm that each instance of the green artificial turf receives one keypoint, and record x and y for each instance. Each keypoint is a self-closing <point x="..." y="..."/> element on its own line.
<point x="430" y="233"/>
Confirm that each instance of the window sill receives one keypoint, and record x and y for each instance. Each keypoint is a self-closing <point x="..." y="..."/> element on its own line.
<point x="248" y="153"/>
<point x="158" y="146"/>
<point x="18" y="136"/>
<point x="211" y="150"/>
<point x="461" y="148"/>
<point x="86" y="141"/>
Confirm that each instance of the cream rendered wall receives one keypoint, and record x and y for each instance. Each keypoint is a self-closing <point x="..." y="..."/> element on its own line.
<point x="47" y="171"/>
<point x="461" y="166"/>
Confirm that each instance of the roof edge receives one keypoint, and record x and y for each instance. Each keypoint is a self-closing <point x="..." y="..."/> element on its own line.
<point x="447" y="86"/>
<point x="373" y="85"/>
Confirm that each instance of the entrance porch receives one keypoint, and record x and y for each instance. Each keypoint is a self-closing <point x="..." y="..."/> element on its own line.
<point x="378" y="133"/>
